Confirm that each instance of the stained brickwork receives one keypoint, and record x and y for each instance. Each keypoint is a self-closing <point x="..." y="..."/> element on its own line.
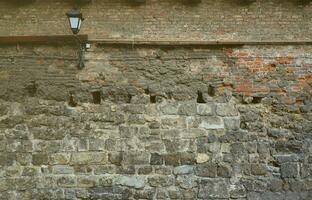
<point x="165" y="19"/>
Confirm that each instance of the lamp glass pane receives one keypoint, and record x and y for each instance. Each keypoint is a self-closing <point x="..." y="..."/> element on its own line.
<point x="74" y="22"/>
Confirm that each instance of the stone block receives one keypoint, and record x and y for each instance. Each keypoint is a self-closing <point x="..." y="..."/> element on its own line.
<point x="3" y="185"/>
<point x="211" y="123"/>
<point x="31" y="171"/>
<point x="224" y="171"/>
<point x="161" y="181"/>
<point x="40" y="159"/>
<point x="145" y="170"/>
<point x="187" y="109"/>
<point x="226" y="110"/>
<point x="238" y="191"/>
<point x="136" y="182"/>
<point x="172" y="159"/>
<point x="136" y="158"/>
<point x="169" y="108"/>
<point x="289" y="170"/>
<point x="202" y="158"/>
<point x="66" y="181"/>
<point x="59" y="158"/>
<point x="214" y="189"/>
<point x="184" y="169"/>
<point x="187" y="158"/>
<point x="98" y="169"/>
<point x="125" y="169"/>
<point x="204" y="109"/>
<point x="187" y="181"/>
<point x="275" y="185"/>
<point x="232" y="123"/>
<point x="258" y="169"/>
<point x="170" y="122"/>
<point x="87" y="181"/>
<point x="156" y="159"/>
<point x="62" y="169"/>
<point x="115" y="158"/>
<point x="206" y="170"/>
<point x="85" y="158"/>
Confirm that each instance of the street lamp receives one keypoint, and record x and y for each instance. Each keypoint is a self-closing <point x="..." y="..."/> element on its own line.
<point x="75" y="19"/>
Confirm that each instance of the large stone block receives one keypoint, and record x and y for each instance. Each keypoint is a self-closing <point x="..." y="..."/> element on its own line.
<point x="211" y="123"/>
<point x="85" y="158"/>
<point x="184" y="169"/>
<point x="290" y="170"/>
<point x="214" y="189"/>
<point x="226" y="110"/>
<point x="136" y="158"/>
<point x="130" y="181"/>
<point x="206" y="170"/>
<point x="205" y="109"/>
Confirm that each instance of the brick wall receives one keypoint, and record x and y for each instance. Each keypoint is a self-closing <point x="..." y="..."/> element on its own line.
<point x="164" y="19"/>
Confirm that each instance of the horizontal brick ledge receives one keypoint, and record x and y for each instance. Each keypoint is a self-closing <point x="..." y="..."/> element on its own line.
<point x="68" y="39"/>
<point x="42" y="39"/>
<point x="193" y="43"/>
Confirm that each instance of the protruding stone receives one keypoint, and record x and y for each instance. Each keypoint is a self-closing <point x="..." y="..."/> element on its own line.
<point x="131" y="181"/>
<point x="211" y="123"/>
<point x="202" y="158"/>
<point x="204" y="109"/>
<point x="185" y="169"/>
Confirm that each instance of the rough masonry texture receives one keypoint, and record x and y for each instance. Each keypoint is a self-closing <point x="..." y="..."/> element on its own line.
<point x="159" y="122"/>
<point x="164" y="19"/>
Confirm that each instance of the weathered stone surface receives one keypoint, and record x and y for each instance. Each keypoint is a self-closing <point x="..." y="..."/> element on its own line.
<point x="258" y="169"/>
<point x="40" y="159"/>
<point x="289" y="170"/>
<point x="156" y="159"/>
<point x="136" y="158"/>
<point x="211" y="188"/>
<point x="59" y="169"/>
<point x="184" y="169"/>
<point x="211" y="123"/>
<point x="204" y="109"/>
<point x="161" y="181"/>
<point x="187" y="182"/>
<point x="187" y="109"/>
<point x="226" y="110"/>
<point x="202" y="158"/>
<point x="131" y="181"/>
<point x="88" y="158"/>
<point x="206" y="170"/>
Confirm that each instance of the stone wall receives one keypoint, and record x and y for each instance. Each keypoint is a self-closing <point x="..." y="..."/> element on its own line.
<point x="156" y="123"/>
<point x="164" y="19"/>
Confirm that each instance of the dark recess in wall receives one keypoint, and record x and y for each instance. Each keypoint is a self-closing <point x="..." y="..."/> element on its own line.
<point x="153" y="99"/>
<point x="256" y="100"/>
<point x="71" y="101"/>
<point x="200" y="98"/>
<point x="211" y="91"/>
<point x="96" y="97"/>
<point x="31" y="88"/>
